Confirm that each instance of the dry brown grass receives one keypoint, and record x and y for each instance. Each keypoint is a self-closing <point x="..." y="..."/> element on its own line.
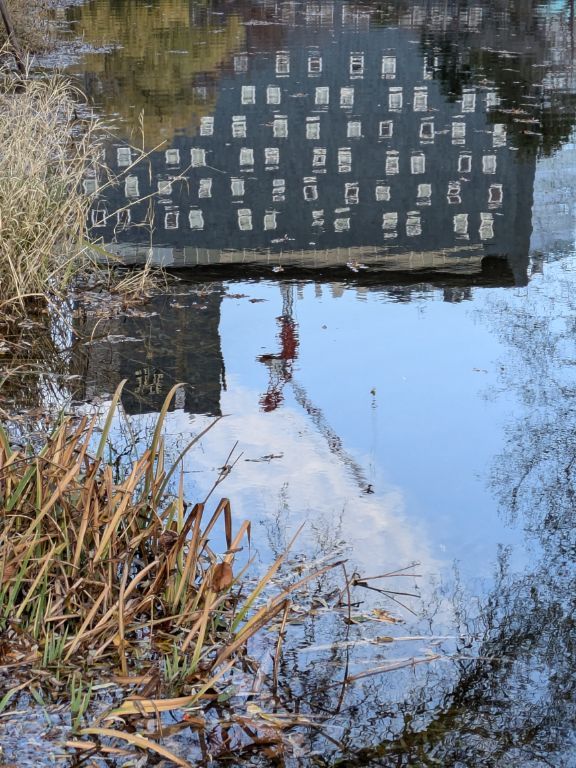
<point x="93" y="561"/>
<point x="44" y="154"/>
<point x="103" y="573"/>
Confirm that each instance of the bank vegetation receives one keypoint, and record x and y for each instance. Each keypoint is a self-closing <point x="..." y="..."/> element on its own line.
<point x="109" y="575"/>
<point x="44" y="154"/>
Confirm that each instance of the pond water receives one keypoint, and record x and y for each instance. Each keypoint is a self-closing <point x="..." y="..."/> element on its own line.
<point x="372" y="208"/>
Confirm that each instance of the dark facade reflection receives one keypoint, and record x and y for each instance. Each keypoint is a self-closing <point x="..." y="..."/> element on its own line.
<point x="328" y="134"/>
<point x="165" y="341"/>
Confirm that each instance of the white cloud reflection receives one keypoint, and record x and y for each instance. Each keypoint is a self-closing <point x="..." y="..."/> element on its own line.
<point x="306" y="483"/>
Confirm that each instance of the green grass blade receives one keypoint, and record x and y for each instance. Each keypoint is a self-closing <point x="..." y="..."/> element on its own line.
<point x="109" y="419"/>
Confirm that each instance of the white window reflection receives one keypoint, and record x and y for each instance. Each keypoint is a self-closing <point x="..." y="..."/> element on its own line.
<point x="206" y="126"/>
<point x="244" y="219"/>
<point x="248" y="94"/>
<point x="395" y="99"/>
<point x="318" y="218"/>
<point x="427" y="130"/>
<point x="196" y="219"/>
<point x="314" y="64"/>
<point x="388" y="69"/>
<point x="461" y="225"/>
<point x="424" y="194"/>
<point x="270" y="220"/>
<point x="342" y="224"/>
<point x="420" y="103"/>
<point x="197" y="157"/>
<point x="322" y="96"/>
<point x="239" y="127"/>
<point x="205" y="188"/>
<point x="453" y="194"/>
<point x="382" y="193"/>
<point x="413" y="224"/>
<point x="495" y="194"/>
<point x="131" y="186"/>
<point x="468" y="101"/>
<point x="172" y="156"/>
<point x="418" y="163"/>
<point x="123" y="218"/>
<point x="282" y="63"/>
<point x="278" y="190"/>
<point x="172" y="220"/>
<point x="312" y="128"/>
<point x="492" y="100"/>
<point x="237" y="187"/>
<point x="273" y="94"/>
<point x="458" y="133"/>
<point x="354" y="129"/>
<point x="310" y="189"/>
<point x="352" y="193"/>
<point x="465" y="163"/>
<point x="386" y="129"/>
<point x="241" y="62"/>
<point x="90" y="185"/>
<point x="356" y="64"/>
<point x="280" y="127"/>
<point x="344" y="160"/>
<point x="486" y="226"/>
<point x="319" y="157"/>
<point x="123" y="157"/>
<point x="392" y="163"/>
<point x="347" y="96"/>
<point x="271" y="156"/>
<point x="499" y="135"/>
<point x="489" y="164"/>
<point x="390" y="224"/>
<point x="246" y="156"/>
<point x="99" y="216"/>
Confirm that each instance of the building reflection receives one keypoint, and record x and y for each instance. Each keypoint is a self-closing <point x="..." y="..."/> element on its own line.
<point x="175" y="338"/>
<point x="392" y="148"/>
<point x="380" y="151"/>
<point x="167" y="340"/>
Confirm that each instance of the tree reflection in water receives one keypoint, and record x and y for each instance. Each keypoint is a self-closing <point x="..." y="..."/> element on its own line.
<point x="506" y="697"/>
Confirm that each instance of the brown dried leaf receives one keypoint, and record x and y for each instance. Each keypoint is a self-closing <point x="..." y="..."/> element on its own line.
<point x="381" y="615"/>
<point x="7" y="572"/>
<point x="167" y="540"/>
<point x="222" y="577"/>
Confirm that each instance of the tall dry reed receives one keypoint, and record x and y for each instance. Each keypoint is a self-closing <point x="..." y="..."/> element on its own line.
<point x="44" y="154"/>
<point x="102" y="569"/>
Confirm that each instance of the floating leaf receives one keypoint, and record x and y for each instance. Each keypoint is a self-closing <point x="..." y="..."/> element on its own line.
<point x="222" y="577"/>
<point x="379" y="614"/>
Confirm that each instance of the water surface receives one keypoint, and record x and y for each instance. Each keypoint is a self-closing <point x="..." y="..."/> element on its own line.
<point x="393" y="186"/>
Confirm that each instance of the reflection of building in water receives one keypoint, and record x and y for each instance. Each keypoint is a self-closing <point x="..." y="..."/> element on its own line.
<point x="329" y="153"/>
<point x="169" y="340"/>
<point x="554" y="216"/>
<point x="561" y="33"/>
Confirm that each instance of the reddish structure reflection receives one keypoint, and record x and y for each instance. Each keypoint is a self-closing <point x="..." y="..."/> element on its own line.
<point x="280" y="365"/>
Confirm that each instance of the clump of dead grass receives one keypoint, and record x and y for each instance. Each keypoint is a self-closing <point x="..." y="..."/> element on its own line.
<point x="93" y="561"/>
<point x="44" y="155"/>
<point x="103" y="571"/>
